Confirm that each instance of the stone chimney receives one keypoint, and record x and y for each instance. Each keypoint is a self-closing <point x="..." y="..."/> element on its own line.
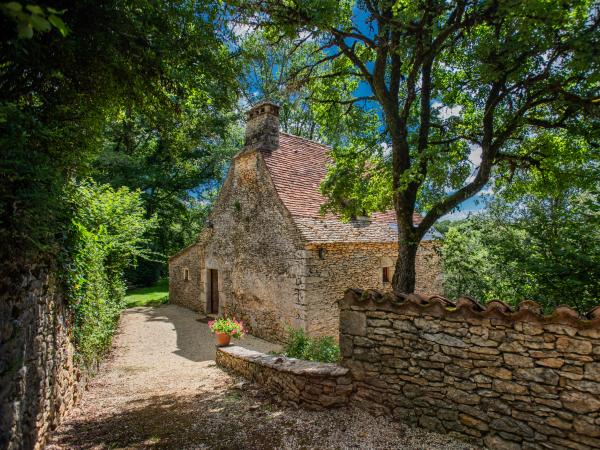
<point x="262" y="126"/>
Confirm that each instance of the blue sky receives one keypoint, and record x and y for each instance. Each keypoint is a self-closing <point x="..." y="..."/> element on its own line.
<point x="470" y="206"/>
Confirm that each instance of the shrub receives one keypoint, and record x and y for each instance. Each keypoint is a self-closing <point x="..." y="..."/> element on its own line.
<point x="106" y="236"/>
<point x="300" y="345"/>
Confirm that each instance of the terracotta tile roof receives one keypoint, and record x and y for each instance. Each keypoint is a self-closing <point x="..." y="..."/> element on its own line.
<point x="297" y="168"/>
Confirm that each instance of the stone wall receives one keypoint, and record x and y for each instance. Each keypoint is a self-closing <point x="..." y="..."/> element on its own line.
<point x="252" y="243"/>
<point x="311" y="384"/>
<point x="190" y="292"/>
<point x="508" y="380"/>
<point x="38" y="380"/>
<point x="428" y="268"/>
<point x="328" y="275"/>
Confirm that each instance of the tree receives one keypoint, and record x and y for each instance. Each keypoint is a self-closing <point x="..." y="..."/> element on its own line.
<point x="544" y="248"/>
<point x="176" y="160"/>
<point x="494" y="82"/>
<point x="107" y="236"/>
<point x="155" y="59"/>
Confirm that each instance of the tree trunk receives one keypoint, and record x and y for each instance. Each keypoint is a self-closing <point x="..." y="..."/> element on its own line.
<point x="405" y="273"/>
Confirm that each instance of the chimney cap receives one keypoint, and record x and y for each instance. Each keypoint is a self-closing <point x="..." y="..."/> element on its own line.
<point x="265" y="106"/>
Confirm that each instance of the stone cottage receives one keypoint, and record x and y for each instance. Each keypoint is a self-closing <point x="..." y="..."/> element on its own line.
<point x="269" y="257"/>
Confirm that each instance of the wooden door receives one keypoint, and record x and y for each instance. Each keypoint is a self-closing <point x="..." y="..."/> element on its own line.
<point x="214" y="291"/>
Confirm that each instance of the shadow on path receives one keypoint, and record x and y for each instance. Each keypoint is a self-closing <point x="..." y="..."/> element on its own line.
<point x="194" y="342"/>
<point x="205" y="420"/>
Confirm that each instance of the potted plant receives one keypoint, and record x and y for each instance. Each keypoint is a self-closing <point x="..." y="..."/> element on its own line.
<point x="225" y="328"/>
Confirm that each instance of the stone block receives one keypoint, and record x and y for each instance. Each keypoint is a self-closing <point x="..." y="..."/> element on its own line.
<point x="511" y="425"/>
<point x="580" y="402"/>
<point x="586" y="426"/>
<point x="353" y="323"/>
<point x="592" y="371"/>
<point x="445" y="339"/>
<point x="346" y="346"/>
<point x="592" y="387"/>
<point x="404" y="326"/>
<point x="458" y="396"/>
<point x="555" y="363"/>
<point x="495" y="442"/>
<point x="538" y="374"/>
<point x="511" y="346"/>
<point x="431" y="423"/>
<point x="497" y="372"/>
<point x="514" y="360"/>
<point x="569" y="345"/>
<point x="473" y="422"/>
<point x="509" y="387"/>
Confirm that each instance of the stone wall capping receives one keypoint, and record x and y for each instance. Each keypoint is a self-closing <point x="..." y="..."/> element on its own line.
<point x="468" y="308"/>
<point x="285" y="364"/>
<point x="498" y="305"/>
<point x="316" y="385"/>
<point x="594" y="313"/>
<point x="469" y="302"/>
<point x="530" y="305"/>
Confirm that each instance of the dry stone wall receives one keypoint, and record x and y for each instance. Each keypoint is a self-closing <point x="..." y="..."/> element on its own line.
<point x="38" y="380"/>
<point x="311" y="384"/>
<point x="187" y="292"/>
<point x="330" y="266"/>
<point x="505" y="379"/>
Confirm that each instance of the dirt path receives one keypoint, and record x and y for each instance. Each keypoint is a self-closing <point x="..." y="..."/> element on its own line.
<point x="161" y="389"/>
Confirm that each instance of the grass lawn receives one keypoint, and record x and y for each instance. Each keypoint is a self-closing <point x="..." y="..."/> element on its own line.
<point x="148" y="296"/>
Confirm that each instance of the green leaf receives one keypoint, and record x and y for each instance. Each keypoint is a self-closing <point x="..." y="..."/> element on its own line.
<point x="59" y="24"/>
<point x="40" y="24"/>
<point x="35" y="9"/>
<point x="13" y="6"/>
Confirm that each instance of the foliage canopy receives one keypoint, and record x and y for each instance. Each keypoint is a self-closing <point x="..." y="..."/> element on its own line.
<point x="464" y="94"/>
<point x="545" y="249"/>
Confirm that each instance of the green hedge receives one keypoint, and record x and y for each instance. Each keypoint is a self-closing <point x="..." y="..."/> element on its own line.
<point x="107" y="236"/>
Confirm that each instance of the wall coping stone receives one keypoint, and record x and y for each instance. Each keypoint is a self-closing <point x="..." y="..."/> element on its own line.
<point x="285" y="364"/>
<point x="468" y="308"/>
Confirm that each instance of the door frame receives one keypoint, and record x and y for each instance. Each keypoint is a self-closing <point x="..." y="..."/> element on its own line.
<point x="209" y="291"/>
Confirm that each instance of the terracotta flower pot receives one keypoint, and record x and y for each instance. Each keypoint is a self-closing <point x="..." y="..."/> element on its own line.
<point x="223" y="339"/>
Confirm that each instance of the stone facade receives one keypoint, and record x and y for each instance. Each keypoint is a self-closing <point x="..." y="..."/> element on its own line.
<point x="278" y="262"/>
<point x="328" y="275"/>
<point x="253" y="245"/>
<point x="185" y="278"/>
<point x="38" y="379"/>
<point x="504" y="379"/>
<point x="310" y="384"/>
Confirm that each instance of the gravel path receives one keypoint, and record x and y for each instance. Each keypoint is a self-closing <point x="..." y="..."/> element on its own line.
<point x="160" y="388"/>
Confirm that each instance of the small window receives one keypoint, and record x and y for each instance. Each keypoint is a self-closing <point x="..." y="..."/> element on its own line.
<point x="186" y="274"/>
<point x="386" y="274"/>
